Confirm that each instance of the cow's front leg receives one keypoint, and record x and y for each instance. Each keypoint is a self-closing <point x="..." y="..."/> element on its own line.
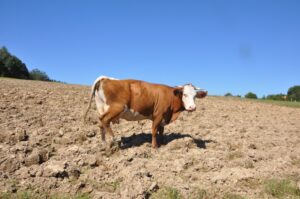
<point x="154" y="141"/>
<point x="155" y="125"/>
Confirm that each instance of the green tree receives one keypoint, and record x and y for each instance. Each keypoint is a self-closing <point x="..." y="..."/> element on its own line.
<point x="3" y="57"/>
<point x="13" y="67"/>
<point x="278" y="97"/>
<point x="228" y="95"/>
<point x="37" y="74"/>
<point x="251" y="95"/>
<point x="294" y="93"/>
<point x="4" y="54"/>
<point x="3" y="69"/>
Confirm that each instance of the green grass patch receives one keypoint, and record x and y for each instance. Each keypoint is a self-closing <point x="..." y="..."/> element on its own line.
<point x="235" y="155"/>
<point x="19" y="195"/>
<point x="282" y="188"/>
<point x="267" y="101"/>
<point x="281" y="103"/>
<point x="232" y="196"/>
<point x="295" y="160"/>
<point x="250" y="183"/>
<point x="199" y="194"/>
<point x="110" y="187"/>
<point x="167" y="193"/>
<point x="31" y="195"/>
<point x="113" y="186"/>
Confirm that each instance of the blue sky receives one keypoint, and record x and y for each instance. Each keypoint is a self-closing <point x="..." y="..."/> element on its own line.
<point x="221" y="45"/>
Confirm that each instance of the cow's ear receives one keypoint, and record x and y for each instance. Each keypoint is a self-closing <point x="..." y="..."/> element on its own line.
<point x="201" y="94"/>
<point x="178" y="92"/>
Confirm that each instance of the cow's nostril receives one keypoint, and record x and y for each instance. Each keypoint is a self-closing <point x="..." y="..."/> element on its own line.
<point x="192" y="108"/>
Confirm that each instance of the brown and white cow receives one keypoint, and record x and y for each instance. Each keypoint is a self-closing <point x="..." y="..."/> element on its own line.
<point x="135" y="100"/>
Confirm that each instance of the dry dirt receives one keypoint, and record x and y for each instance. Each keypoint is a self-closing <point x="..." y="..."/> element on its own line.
<point x="227" y="146"/>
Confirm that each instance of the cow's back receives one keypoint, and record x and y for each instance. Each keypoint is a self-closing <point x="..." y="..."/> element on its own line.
<point x="138" y="96"/>
<point x="148" y="98"/>
<point x="116" y="91"/>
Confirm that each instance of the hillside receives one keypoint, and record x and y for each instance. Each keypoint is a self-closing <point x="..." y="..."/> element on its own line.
<point x="228" y="147"/>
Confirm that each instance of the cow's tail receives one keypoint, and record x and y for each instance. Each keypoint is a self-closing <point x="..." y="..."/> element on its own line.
<point x="94" y="88"/>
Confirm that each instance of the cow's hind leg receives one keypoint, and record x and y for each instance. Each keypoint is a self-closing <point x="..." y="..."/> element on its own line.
<point x="102" y="131"/>
<point x="111" y="115"/>
<point x="102" y="108"/>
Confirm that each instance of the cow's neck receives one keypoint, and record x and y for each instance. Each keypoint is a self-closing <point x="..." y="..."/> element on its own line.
<point x="177" y="104"/>
<point x="177" y="108"/>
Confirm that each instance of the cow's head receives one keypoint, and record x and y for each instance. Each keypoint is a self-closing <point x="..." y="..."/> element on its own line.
<point x="188" y="93"/>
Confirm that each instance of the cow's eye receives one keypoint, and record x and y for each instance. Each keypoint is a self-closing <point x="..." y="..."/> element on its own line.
<point x="185" y="95"/>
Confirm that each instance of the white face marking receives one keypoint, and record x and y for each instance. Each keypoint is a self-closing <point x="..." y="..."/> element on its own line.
<point x="188" y="97"/>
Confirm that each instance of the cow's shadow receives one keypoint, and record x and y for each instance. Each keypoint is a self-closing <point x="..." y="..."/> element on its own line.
<point x="139" y="139"/>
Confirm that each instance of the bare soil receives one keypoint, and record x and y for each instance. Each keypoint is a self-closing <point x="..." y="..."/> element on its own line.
<point x="227" y="146"/>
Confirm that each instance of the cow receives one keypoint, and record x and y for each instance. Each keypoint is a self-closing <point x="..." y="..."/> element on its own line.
<point x="135" y="100"/>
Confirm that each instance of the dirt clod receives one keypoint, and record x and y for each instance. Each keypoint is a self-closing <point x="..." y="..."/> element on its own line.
<point x="22" y="135"/>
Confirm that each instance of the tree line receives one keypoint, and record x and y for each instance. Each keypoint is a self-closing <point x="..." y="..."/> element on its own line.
<point x="293" y="94"/>
<point x="12" y="66"/>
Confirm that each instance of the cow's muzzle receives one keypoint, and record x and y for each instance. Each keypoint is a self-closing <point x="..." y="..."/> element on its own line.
<point x="191" y="109"/>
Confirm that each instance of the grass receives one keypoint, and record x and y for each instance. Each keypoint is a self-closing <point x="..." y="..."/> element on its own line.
<point x="275" y="102"/>
<point x="250" y="183"/>
<point x="110" y="187"/>
<point x="295" y="160"/>
<point x="235" y="155"/>
<point x="282" y="188"/>
<point x="200" y="194"/>
<point x="281" y="103"/>
<point x="167" y="193"/>
<point x="248" y="164"/>
<point x="23" y="195"/>
<point x="114" y="185"/>
<point x="31" y="195"/>
<point x="233" y="196"/>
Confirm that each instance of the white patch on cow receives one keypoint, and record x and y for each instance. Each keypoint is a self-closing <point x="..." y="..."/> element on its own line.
<point x="100" y="98"/>
<point x="131" y="115"/>
<point x="188" y="97"/>
<point x="103" y="77"/>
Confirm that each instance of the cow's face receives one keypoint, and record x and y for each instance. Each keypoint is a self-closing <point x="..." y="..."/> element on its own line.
<point x="188" y="93"/>
<point x="188" y="97"/>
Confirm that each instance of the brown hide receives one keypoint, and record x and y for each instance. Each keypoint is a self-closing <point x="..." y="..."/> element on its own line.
<point x="153" y="100"/>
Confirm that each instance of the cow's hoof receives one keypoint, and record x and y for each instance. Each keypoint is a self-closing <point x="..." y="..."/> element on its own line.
<point x="103" y="146"/>
<point x="112" y="147"/>
<point x="154" y="150"/>
<point x="113" y="143"/>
